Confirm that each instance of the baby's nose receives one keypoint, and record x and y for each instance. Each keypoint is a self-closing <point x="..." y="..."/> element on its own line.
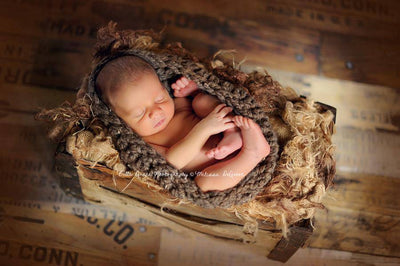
<point x="155" y="113"/>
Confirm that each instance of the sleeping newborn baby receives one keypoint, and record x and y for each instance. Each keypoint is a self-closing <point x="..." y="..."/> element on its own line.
<point x="193" y="131"/>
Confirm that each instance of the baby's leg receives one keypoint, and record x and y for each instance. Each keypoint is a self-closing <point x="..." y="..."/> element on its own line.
<point x="227" y="174"/>
<point x="203" y="104"/>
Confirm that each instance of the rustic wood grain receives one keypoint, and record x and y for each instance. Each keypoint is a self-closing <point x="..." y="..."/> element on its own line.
<point x="367" y="121"/>
<point x="359" y="105"/>
<point x="140" y="190"/>
<point x="203" y="34"/>
<point x="16" y="252"/>
<point x="361" y="216"/>
<point x="375" y="61"/>
<point x="89" y="240"/>
<point x="351" y="17"/>
<point x="262" y="243"/>
<point x="42" y="62"/>
<point x="287" y="35"/>
<point x="314" y="256"/>
<point x="219" y="218"/>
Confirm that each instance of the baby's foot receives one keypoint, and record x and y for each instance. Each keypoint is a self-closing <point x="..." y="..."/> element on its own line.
<point x="183" y="87"/>
<point x="231" y="142"/>
<point x="254" y="142"/>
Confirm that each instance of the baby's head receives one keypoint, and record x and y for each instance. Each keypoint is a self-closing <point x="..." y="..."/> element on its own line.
<point x="131" y="88"/>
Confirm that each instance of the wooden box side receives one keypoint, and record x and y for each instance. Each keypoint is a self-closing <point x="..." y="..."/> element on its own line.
<point x="98" y="185"/>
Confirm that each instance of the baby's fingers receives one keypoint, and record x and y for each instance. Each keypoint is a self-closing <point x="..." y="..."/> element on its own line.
<point x="224" y="111"/>
<point x="174" y="86"/>
<point x="227" y="120"/>
<point x="185" y="81"/>
<point x="229" y="125"/>
<point x="180" y="83"/>
<point x="218" y="108"/>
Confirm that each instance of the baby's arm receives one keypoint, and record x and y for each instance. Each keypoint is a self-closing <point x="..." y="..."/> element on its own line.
<point x="183" y="152"/>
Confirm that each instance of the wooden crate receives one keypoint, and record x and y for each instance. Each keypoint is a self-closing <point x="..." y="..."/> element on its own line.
<point x="96" y="185"/>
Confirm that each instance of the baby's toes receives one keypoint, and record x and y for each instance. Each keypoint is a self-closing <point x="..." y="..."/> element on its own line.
<point x="252" y="123"/>
<point x="238" y="120"/>
<point x="247" y="122"/>
<point x="221" y="152"/>
<point x="210" y="153"/>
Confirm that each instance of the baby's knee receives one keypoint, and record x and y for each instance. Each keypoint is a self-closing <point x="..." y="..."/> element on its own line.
<point x="202" y="182"/>
<point x="203" y="104"/>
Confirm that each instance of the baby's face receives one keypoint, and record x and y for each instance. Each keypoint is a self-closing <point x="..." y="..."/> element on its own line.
<point x="145" y="105"/>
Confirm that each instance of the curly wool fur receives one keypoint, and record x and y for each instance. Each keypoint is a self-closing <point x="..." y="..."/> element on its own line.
<point x="304" y="171"/>
<point x="306" y="154"/>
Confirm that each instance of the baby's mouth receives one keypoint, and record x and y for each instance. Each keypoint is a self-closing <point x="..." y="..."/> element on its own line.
<point x="159" y="123"/>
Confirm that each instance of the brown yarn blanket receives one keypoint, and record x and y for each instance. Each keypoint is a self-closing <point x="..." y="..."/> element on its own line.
<point x="243" y="92"/>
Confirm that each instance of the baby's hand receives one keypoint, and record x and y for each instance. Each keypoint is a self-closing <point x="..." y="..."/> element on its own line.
<point x="183" y="87"/>
<point x="217" y="121"/>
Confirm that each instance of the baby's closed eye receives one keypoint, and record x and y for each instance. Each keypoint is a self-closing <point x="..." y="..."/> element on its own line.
<point x="160" y="99"/>
<point x="138" y="113"/>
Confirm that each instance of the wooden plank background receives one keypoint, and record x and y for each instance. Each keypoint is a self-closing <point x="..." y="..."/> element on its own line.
<point x="344" y="53"/>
